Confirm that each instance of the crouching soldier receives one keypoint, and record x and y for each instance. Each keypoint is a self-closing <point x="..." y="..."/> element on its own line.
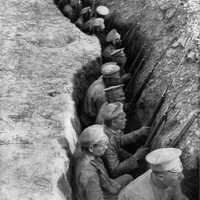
<point x="161" y="182"/>
<point x="91" y="178"/>
<point x="117" y="160"/>
<point x="95" y="95"/>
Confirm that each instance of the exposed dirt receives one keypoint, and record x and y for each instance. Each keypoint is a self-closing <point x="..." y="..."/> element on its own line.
<point x="40" y="52"/>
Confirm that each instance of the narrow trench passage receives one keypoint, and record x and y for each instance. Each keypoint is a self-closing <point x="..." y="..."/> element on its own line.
<point x="137" y="50"/>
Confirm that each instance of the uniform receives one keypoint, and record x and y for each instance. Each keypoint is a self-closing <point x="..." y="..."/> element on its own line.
<point x="143" y="189"/>
<point x="117" y="160"/>
<point x="147" y="186"/>
<point x="95" y="96"/>
<point x="93" y="182"/>
<point x="91" y="178"/>
<point x="94" y="99"/>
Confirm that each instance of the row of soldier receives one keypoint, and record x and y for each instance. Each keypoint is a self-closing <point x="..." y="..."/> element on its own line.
<point x="102" y="166"/>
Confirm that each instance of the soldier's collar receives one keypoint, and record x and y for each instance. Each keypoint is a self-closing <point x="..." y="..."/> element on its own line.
<point x="113" y="131"/>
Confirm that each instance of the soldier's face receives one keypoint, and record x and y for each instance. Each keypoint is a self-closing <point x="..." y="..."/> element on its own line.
<point x="171" y="178"/>
<point x="119" y="123"/>
<point x="100" y="147"/>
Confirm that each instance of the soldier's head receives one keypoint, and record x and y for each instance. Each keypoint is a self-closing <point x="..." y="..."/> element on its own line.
<point x="111" y="74"/>
<point x="93" y="140"/>
<point x="114" y="38"/>
<point x="98" y="25"/>
<point x="112" y="115"/>
<point x="166" y="166"/>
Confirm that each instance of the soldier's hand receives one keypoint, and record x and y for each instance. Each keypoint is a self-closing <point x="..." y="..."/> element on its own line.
<point x="141" y="152"/>
<point x="143" y="131"/>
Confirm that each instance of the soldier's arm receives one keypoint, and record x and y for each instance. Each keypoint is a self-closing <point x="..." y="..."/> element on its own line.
<point x="91" y="186"/>
<point x="124" y="154"/>
<point x="113" y="164"/>
<point x="134" y="136"/>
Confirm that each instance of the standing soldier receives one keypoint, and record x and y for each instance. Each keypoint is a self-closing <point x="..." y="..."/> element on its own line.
<point x="161" y="182"/>
<point x="117" y="160"/>
<point x="95" y="95"/>
<point x="92" y="181"/>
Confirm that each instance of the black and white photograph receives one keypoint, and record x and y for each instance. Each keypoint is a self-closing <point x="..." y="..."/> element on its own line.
<point x="99" y="99"/>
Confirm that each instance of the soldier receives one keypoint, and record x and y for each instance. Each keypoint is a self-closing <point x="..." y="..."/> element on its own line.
<point x="161" y="182"/>
<point x="91" y="178"/>
<point x="114" y="38"/>
<point x="111" y="54"/>
<point x="84" y="16"/>
<point x="117" y="160"/>
<point x="95" y="95"/>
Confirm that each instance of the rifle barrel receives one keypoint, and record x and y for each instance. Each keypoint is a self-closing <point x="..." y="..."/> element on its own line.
<point x="134" y="75"/>
<point x="136" y="58"/>
<point x="161" y="101"/>
<point x="184" y="129"/>
<point x="153" y="134"/>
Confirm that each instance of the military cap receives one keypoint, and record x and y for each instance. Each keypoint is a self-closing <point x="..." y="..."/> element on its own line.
<point x="92" y="135"/>
<point x="109" y="68"/>
<point x="165" y="159"/>
<point x="111" y="74"/>
<point x="113" y="35"/>
<point x="85" y="10"/>
<point x="99" y="22"/>
<point x="102" y="11"/>
<point x="115" y="93"/>
<point x="109" y="111"/>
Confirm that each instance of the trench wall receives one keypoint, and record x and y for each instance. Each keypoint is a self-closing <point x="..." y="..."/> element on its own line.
<point x="40" y="53"/>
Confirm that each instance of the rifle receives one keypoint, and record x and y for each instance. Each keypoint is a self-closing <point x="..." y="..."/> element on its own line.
<point x="153" y="117"/>
<point x="134" y="75"/>
<point x="164" y="117"/>
<point x="184" y="129"/>
<point x="134" y="100"/>
<point x="132" y="29"/>
<point x="138" y="68"/>
<point x="136" y="58"/>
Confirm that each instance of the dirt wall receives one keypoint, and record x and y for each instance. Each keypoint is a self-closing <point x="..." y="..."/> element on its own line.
<point x="40" y="53"/>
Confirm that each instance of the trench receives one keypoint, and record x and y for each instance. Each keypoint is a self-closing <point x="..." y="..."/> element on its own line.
<point x="136" y="49"/>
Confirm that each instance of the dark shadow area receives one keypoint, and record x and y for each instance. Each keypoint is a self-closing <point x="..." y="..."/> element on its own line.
<point x="190" y="184"/>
